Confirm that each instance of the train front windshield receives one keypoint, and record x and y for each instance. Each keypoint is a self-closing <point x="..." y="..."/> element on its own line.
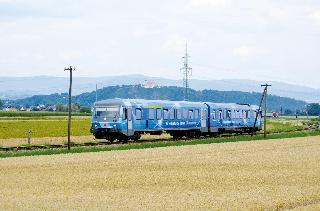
<point x="107" y="113"/>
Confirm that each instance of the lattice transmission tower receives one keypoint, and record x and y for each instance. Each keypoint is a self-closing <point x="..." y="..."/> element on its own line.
<point x="186" y="71"/>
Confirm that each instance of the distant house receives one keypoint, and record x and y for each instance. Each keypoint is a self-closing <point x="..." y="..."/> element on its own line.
<point x="51" y="108"/>
<point x="275" y="114"/>
<point x="150" y="84"/>
<point x="8" y="109"/>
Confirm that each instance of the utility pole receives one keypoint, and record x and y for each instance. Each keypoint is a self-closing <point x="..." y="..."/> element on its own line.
<point x="69" y="107"/>
<point x="265" y="108"/>
<point x="187" y="71"/>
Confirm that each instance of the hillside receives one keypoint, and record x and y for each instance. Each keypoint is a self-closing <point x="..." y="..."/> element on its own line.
<point x="166" y="93"/>
<point x="22" y="87"/>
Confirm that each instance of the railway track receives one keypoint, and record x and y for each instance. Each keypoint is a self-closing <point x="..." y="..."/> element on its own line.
<point x="106" y="143"/>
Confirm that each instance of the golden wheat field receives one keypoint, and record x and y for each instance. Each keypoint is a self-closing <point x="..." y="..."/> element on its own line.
<point x="259" y="175"/>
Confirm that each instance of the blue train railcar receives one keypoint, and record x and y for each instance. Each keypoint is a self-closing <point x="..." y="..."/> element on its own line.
<point x="108" y="119"/>
<point x="233" y="118"/>
<point x="128" y="118"/>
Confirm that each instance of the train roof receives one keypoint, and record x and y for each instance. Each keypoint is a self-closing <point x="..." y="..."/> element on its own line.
<point x="233" y="106"/>
<point x="143" y="102"/>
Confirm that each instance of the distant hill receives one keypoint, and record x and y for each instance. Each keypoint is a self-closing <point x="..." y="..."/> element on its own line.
<point x="166" y="93"/>
<point x="22" y="87"/>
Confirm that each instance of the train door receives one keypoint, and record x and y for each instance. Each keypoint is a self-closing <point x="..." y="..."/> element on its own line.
<point x="203" y="118"/>
<point x="151" y="120"/>
<point x="129" y="119"/>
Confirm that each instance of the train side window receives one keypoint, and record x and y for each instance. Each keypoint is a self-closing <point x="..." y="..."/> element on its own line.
<point x="124" y="113"/>
<point x="184" y="113"/>
<point x="138" y="113"/>
<point x="165" y="114"/>
<point x="159" y="112"/>
<point x="179" y="114"/>
<point x="244" y="114"/>
<point x="220" y="114"/>
<point x="151" y="113"/>
<point x="190" y="114"/>
<point x="213" y="114"/>
<point x="171" y="114"/>
<point x="248" y="114"/>
<point x="196" y="114"/>
<point x="229" y="114"/>
<point x="255" y="114"/>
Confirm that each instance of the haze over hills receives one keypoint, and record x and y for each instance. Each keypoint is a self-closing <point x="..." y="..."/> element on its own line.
<point x="166" y="93"/>
<point x="22" y="87"/>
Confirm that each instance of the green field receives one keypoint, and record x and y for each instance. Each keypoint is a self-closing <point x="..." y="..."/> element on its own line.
<point x="53" y="127"/>
<point x="46" y="126"/>
<point x="284" y="125"/>
<point x="38" y="114"/>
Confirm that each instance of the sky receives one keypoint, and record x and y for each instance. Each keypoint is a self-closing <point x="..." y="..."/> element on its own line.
<point x="227" y="39"/>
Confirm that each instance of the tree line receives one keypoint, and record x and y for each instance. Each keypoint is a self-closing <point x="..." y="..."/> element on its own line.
<point x="275" y="103"/>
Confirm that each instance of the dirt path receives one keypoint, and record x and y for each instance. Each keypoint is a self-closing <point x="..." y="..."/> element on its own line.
<point x="45" y="140"/>
<point x="270" y="174"/>
<point x="62" y="140"/>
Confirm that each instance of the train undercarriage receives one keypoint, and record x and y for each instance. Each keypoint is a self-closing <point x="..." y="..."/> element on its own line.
<point x="176" y="134"/>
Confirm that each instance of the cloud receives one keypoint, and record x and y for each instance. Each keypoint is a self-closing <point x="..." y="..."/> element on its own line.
<point x="209" y="3"/>
<point x="177" y="42"/>
<point x="147" y="37"/>
<point x="20" y="9"/>
<point x="316" y="16"/>
<point x="243" y="51"/>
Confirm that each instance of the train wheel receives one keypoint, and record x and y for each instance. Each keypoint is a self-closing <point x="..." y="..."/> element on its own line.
<point x="124" y="139"/>
<point x="136" y="137"/>
<point x="197" y="135"/>
<point x="99" y="136"/>
<point x="176" y="136"/>
<point x="111" y="140"/>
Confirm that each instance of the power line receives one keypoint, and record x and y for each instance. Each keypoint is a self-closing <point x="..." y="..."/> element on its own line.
<point x="186" y="71"/>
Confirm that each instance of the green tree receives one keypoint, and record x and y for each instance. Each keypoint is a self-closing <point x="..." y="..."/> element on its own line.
<point x="60" y="107"/>
<point x="75" y="107"/>
<point x="288" y="112"/>
<point x="1" y="103"/>
<point x="85" y="109"/>
<point x="313" y="109"/>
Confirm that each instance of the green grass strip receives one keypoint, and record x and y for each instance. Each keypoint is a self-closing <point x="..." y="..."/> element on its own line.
<point x="157" y="144"/>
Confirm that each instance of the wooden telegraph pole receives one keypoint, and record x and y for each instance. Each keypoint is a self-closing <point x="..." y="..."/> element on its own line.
<point x="265" y="108"/>
<point x="69" y="107"/>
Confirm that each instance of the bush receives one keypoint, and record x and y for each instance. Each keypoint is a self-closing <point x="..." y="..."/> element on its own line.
<point x="85" y="110"/>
